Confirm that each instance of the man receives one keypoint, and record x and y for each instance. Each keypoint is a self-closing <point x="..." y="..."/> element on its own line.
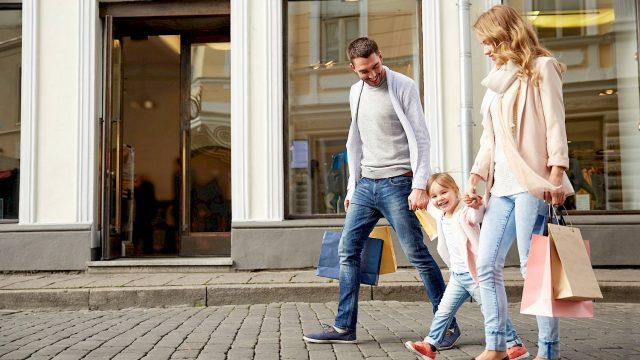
<point x="388" y="147"/>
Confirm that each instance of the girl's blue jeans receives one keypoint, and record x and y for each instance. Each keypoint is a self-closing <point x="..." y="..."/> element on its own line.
<point x="461" y="286"/>
<point x="507" y="218"/>
<point x="372" y="200"/>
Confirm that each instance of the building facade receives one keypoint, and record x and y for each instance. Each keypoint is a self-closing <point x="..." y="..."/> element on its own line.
<point x="216" y="129"/>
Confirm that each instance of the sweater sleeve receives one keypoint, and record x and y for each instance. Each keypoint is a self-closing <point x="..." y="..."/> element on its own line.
<point x="550" y="86"/>
<point x="354" y="146"/>
<point x="474" y="216"/>
<point x="482" y="161"/>
<point x="417" y="121"/>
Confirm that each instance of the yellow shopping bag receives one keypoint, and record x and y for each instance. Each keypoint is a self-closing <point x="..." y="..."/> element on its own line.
<point x="428" y="223"/>
<point x="388" y="263"/>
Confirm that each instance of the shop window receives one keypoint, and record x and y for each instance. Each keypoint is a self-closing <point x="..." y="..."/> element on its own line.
<point x="318" y="79"/>
<point x="547" y="12"/>
<point x="601" y="95"/>
<point x="337" y="33"/>
<point x="10" y="77"/>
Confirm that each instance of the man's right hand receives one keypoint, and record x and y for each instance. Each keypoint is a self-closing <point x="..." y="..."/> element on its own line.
<point x="346" y="205"/>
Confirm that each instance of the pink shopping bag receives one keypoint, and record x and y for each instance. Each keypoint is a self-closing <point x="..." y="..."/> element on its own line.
<point x="537" y="295"/>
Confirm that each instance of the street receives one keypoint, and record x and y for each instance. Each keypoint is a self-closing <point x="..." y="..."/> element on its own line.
<point x="274" y="331"/>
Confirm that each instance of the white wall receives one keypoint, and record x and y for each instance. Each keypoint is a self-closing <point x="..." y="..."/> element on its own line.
<point x="257" y="169"/>
<point x="257" y="110"/>
<point x="56" y="118"/>
<point x="450" y="60"/>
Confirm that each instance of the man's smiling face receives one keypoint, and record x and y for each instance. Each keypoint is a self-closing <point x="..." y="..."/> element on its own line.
<point x="369" y="69"/>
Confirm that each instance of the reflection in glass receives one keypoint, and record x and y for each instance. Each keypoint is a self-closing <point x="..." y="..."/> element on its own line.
<point x="319" y="79"/>
<point x="10" y="59"/>
<point x="597" y="40"/>
<point x="210" y="149"/>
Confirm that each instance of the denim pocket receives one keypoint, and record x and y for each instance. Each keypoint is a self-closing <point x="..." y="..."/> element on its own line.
<point x="401" y="180"/>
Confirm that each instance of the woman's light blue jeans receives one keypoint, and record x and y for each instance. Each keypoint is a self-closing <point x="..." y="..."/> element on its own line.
<point x="507" y="218"/>
<point x="372" y="200"/>
<point x="461" y="286"/>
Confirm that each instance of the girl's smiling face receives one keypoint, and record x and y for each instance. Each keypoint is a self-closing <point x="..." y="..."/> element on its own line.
<point x="443" y="198"/>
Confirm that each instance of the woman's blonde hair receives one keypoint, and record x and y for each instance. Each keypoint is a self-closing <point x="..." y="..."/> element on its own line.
<point x="443" y="179"/>
<point x="512" y="37"/>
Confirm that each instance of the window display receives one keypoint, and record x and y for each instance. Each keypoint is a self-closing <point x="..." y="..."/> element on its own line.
<point x="318" y="82"/>
<point x="597" y="41"/>
<point x="10" y="77"/>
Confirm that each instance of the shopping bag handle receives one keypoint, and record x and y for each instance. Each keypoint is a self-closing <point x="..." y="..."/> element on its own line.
<point x="555" y="217"/>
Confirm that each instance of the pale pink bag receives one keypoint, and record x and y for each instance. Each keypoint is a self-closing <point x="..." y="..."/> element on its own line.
<point x="537" y="294"/>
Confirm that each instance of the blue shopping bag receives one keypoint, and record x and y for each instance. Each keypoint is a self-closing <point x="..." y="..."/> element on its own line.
<point x="329" y="262"/>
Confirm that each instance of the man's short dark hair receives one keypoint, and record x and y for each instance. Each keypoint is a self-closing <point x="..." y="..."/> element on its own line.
<point x="361" y="47"/>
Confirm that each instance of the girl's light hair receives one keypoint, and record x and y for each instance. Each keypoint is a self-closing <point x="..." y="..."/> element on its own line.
<point x="512" y="37"/>
<point x="443" y="179"/>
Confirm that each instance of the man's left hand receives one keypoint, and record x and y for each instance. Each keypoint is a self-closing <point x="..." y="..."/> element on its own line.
<point x="418" y="199"/>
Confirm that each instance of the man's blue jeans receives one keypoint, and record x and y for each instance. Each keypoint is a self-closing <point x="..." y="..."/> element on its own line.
<point x="461" y="287"/>
<point x="372" y="200"/>
<point x="507" y="218"/>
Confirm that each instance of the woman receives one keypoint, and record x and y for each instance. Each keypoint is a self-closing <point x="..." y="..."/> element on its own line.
<point x="522" y="158"/>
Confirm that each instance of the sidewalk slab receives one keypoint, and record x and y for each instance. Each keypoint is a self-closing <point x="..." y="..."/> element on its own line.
<point x="192" y="279"/>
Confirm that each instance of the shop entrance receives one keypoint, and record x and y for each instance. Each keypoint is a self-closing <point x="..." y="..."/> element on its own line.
<point x="166" y="149"/>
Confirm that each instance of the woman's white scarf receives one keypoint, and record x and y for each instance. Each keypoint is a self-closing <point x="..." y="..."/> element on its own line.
<point x="503" y="92"/>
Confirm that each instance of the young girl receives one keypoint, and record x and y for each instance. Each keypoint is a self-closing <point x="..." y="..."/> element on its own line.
<point x="458" y="234"/>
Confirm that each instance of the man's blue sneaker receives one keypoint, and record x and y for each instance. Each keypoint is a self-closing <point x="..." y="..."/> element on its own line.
<point x="450" y="338"/>
<point x="329" y="335"/>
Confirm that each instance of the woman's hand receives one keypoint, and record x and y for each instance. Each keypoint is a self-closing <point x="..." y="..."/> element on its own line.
<point x="471" y="197"/>
<point x="555" y="196"/>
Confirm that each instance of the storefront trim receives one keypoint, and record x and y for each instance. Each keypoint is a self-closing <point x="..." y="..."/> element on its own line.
<point x="293" y="244"/>
<point x="240" y="109"/>
<point x="26" y="211"/>
<point x="56" y="247"/>
<point x="433" y="106"/>
<point x="275" y="116"/>
<point x="88" y="99"/>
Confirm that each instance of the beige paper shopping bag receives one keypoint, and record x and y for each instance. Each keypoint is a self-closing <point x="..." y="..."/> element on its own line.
<point x="388" y="263"/>
<point x="573" y="276"/>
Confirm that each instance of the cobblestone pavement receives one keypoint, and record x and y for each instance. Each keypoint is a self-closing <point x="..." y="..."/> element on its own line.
<point x="274" y="331"/>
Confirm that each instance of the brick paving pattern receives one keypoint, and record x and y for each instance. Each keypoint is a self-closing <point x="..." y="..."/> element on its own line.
<point x="274" y="331"/>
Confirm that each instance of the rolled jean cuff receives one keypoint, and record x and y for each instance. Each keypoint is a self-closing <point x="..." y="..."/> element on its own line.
<point x="496" y="340"/>
<point x="429" y="340"/>
<point x="548" y="349"/>
<point x="513" y="343"/>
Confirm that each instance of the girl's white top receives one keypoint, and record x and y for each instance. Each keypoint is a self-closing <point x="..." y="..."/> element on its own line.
<point x="456" y="243"/>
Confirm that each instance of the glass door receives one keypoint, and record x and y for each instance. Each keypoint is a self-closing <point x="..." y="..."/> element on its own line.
<point x="206" y="146"/>
<point x="111" y="147"/>
<point x="165" y="142"/>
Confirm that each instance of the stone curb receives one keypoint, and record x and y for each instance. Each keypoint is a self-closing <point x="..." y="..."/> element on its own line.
<point x="59" y="299"/>
<point x="146" y="297"/>
<point x="215" y="295"/>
